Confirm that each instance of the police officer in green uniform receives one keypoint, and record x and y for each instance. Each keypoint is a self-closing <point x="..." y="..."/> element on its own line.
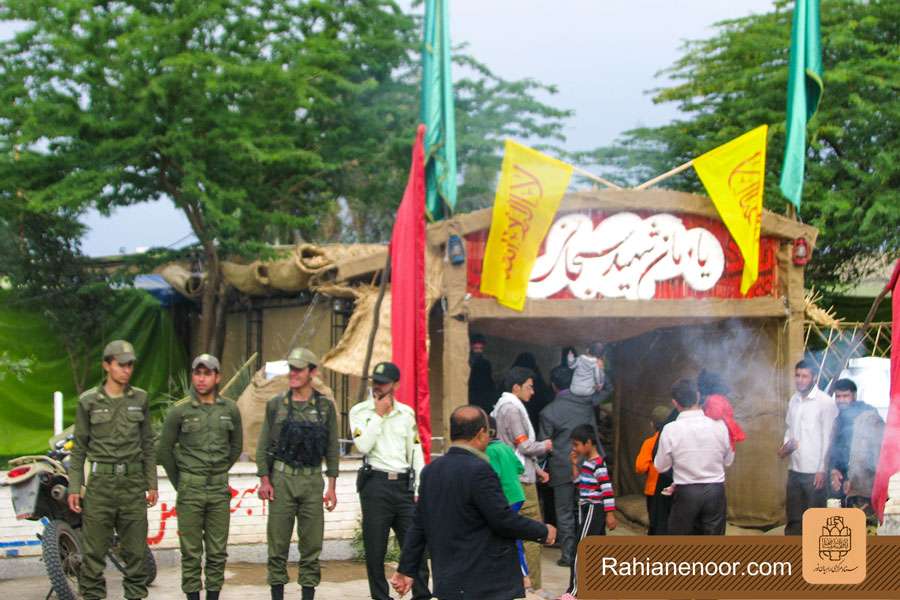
<point x="298" y="431"/>
<point x="114" y="458"/>
<point x="386" y="433"/>
<point x="201" y="439"/>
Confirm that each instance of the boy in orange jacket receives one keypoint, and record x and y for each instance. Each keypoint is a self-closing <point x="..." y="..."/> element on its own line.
<point x="644" y="462"/>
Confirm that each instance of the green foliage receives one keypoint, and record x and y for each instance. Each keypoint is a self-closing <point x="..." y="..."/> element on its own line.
<point x="17" y="367"/>
<point x="227" y="107"/>
<point x="263" y="121"/>
<point x="41" y="258"/>
<point x="252" y="116"/>
<point x="359" y="548"/>
<point x="737" y="80"/>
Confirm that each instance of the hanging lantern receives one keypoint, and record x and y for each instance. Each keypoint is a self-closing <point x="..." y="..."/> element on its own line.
<point x="801" y="252"/>
<point x="456" y="252"/>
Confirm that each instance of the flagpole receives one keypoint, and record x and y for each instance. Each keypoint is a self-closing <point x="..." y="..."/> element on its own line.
<point x="596" y="178"/>
<point x="665" y="175"/>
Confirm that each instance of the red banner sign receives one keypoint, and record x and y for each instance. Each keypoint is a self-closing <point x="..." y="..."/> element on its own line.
<point x="637" y="256"/>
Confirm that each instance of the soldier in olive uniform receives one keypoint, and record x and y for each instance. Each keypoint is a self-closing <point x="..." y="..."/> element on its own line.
<point x="201" y="440"/>
<point x="113" y="434"/>
<point x="298" y="431"/>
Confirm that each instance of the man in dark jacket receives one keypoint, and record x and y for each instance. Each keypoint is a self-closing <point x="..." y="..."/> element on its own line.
<point x="557" y="421"/>
<point x="464" y="521"/>
<point x="855" y="448"/>
<point x="482" y="391"/>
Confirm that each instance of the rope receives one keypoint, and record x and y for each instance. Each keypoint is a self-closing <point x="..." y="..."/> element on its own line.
<point x="309" y="310"/>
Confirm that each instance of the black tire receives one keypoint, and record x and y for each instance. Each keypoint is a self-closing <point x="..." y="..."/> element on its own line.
<point x="150" y="562"/>
<point x="61" y="550"/>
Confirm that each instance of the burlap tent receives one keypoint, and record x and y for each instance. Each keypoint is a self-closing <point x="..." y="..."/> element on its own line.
<point x="348" y="355"/>
<point x="670" y="331"/>
<point x="749" y="340"/>
<point x="180" y="277"/>
<point x="296" y="268"/>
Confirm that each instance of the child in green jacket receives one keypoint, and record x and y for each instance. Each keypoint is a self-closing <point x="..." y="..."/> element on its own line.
<point x="508" y="468"/>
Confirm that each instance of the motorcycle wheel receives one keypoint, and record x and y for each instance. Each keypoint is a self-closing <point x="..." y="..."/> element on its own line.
<point x="61" y="551"/>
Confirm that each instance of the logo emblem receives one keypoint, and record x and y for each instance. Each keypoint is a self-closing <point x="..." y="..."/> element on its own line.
<point x="834" y="546"/>
<point x="835" y="542"/>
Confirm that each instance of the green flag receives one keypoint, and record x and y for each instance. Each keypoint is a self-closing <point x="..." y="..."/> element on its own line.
<point x="437" y="112"/>
<point x="804" y="90"/>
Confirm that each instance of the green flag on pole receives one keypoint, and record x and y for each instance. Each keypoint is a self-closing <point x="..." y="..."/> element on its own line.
<point x="804" y="90"/>
<point x="437" y="112"/>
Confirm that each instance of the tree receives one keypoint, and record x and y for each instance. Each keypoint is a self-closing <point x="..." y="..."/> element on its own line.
<point x="737" y="80"/>
<point x="221" y="107"/>
<point x="40" y="256"/>
<point x="489" y="108"/>
<point x="263" y="121"/>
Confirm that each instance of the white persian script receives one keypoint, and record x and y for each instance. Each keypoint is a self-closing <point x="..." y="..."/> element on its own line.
<point x="624" y="257"/>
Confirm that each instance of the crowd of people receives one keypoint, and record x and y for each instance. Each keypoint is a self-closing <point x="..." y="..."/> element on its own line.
<point x="476" y="511"/>
<point x="831" y="446"/>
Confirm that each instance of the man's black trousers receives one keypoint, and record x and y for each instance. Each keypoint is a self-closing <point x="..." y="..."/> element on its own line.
<point x="386" y="505"/>
<point x="698" y="509"/>
<point x="801" y="493"/>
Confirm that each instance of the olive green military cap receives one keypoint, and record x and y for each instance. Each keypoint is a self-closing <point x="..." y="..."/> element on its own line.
<point x="206" y="360"/>
<point x="120" y="350"/>
<point x="300" y="358"/>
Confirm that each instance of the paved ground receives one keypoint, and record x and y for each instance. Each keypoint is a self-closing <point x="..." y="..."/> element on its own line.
<point x="342" y="580"/>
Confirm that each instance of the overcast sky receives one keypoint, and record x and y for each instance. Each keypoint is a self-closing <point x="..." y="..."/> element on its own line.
<point x="601" y="54"/>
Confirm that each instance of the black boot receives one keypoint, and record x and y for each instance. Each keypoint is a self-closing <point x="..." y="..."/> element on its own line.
<point x="307" y="593"/>
<point x="278" y="592"/>
<point x="193" y="595"/>
<point x="212" y="595"/>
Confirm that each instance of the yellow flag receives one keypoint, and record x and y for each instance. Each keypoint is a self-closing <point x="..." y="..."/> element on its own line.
<point x="734" y="177"/>
<point x="530" y="190"/>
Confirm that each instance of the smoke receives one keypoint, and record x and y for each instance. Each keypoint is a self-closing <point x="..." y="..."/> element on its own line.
<point x="832" y="353"/>
<point x="746" y="354"/>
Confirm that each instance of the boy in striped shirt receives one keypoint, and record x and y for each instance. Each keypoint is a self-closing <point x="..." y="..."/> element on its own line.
<point x="596" y="501"/>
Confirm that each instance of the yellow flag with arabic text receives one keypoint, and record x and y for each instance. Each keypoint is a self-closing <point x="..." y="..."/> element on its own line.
<point x="531" y="187"/>
<point x="734" y="177"/>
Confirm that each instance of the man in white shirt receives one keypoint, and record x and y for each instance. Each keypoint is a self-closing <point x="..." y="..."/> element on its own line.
<point x="810" y="417"/>
<point x="697" y="450"/>
<point x="386" y="433"/>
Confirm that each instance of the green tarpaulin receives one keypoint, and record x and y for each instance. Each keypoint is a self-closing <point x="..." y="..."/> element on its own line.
<point x="26" y="407"/>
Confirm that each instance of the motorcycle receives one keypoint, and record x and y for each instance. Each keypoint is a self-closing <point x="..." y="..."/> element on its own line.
<point x="39" y="488"/>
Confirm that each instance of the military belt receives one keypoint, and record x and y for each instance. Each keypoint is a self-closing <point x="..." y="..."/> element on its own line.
<point x="289" y="470"/>
<point x="206" y="479"/>
<point x="116" y="468"/>
<point x="389" y="475"/>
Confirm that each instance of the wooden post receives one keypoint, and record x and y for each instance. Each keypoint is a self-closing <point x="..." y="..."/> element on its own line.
<point x="456" y="344"/>
<point x="376" y="317"/>
<point x="596" y="178"/>
<point x="664" y="176"/>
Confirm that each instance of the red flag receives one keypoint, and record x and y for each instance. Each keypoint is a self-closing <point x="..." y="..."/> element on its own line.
<point x="409" y="321"/>
<point x="889" y="461"/>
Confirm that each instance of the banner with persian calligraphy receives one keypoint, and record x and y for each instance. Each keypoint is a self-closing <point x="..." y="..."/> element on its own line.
<point x="624" y="256"/>
<point x="531" y="187"/>
<point x="734" y="177"/>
